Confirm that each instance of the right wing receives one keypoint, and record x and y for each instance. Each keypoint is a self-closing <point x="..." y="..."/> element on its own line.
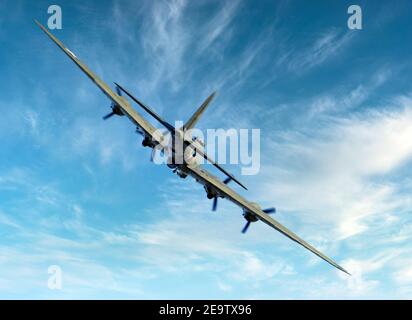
<point x="223" y="190"/>
<point x="206" y="157"/>
<point x="126" y="109"/>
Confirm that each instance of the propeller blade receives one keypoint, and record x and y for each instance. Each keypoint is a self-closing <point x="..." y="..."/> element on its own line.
<point x="227" y="180"/>
<point x="107" y="116"/>
<point x="214" y="206"/>
<point x="119" y="92"/>
<point x="246" y="227"/>
<point x="269" y="210"/>
<point x="152" y="154"/>
<point x="139" y="131"/>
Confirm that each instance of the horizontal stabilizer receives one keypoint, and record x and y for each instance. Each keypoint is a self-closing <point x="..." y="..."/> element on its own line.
<point x="196" y="116"/>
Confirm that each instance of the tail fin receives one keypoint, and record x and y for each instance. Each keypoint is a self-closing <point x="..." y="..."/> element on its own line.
<point x="196" y="116"/>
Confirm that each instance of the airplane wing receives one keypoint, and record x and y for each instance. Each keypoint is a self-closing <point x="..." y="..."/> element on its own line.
<point x="223" y="190"/>
<point x="206" y="157"/>
<point x="126" y="109"/>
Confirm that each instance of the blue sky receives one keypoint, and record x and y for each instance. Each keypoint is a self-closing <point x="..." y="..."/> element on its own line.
<point x="335" y="111"/>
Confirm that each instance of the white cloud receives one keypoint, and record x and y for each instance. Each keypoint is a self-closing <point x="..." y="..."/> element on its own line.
<point x="82" y="277"/>
<point x="336" y="174"/>
<point x="224" y="286"/>
<point x="362" y="280"/>
<point x="404" y="275"/>
<point x="250" y="268"/>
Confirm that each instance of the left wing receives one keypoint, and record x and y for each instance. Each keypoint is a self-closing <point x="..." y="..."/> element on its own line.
<point x="223" y="190"/>
<point x="125" y="107"/>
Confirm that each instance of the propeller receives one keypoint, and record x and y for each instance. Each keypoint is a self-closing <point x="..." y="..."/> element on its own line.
<point x="118" y="91"/>
<point x="267" y="211"/>
<point x="139" y="131"/>
<point x="246" y="227"/>
<point x="111" y="114"/>
<point x="214" y="205"/>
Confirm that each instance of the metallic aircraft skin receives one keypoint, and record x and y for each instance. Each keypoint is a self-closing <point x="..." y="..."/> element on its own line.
<point x="252" y="212"/>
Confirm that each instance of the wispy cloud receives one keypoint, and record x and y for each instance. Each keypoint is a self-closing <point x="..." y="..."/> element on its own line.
<point x="248" y="61"/>
<point x="300" y="60"/>
<point x="5" y="219"/>
<point x="335" y="164"/>
<point x="362" y="282"/>
<point x="218" y="25"/>
<point x="339" y="101"/>
<point x="164" y="42"/>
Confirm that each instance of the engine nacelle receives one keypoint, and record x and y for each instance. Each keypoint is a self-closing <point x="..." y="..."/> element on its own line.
<point x="172" y="165"/>
<point x="117" y="110"/>
<point x="181" y="174"/>
<point x="146" y="142"/>
<point x="249" y="216"/>
<point x="149" y="142"/>
<point x="209" y="192"/>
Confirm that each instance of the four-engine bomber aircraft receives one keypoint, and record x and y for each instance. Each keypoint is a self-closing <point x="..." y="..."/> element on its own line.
<point x="153" y="138"/>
